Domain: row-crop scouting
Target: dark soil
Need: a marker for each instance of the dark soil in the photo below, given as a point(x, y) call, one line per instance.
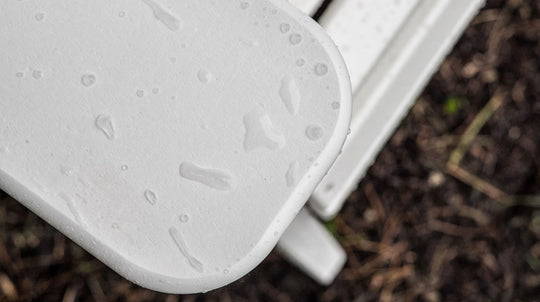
point(421, 226)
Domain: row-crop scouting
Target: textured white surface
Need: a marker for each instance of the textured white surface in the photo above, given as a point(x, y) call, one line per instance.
point(384, 94)
point(362, 29)
point(175, 140)
point(309, 245)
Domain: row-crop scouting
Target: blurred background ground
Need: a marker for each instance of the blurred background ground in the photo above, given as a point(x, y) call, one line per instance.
point(450, 211)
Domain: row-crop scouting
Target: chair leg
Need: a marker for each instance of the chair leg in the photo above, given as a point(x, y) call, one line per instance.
point(307, 244)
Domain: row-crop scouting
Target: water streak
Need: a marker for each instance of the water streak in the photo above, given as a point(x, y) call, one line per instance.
point(260, 132)
point(212, 178)
point(168, 19)
point(182, 246)
point(290, 94)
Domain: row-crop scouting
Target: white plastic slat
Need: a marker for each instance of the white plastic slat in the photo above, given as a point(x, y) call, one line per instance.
point(308, 245)
point(307, 6)
point(389, 89)
point(362, 30)
point(147, 133)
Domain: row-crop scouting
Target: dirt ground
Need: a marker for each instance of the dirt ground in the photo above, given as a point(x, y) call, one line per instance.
point(450, 211)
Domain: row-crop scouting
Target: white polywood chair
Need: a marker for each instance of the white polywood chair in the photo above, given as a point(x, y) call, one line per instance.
point(177, 140)
point(391, 49)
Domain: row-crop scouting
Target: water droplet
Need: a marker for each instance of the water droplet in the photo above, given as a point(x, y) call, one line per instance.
point(292, 173)
point(284, 27)
point(300, 62)
point(104, 123)
point(155, 90)
point(321, 69)
point(19, 75)
point(150, 196)
point(226, 271)
point(140, 93)
point(212, 178)
point(37, 74)
point(244, 5)
point(336, 105)
point(184, 218)
point(205, 76)
point(169, 20)
point(314, 132)
point(173, 59)
point(88, 80)
point(122, 14)
point(295, 39)
point(290, 94)
point(40, 16)
point(67, 171)
point(115, 226)
point(182, 246)
point(124, 167)
point(260, 132)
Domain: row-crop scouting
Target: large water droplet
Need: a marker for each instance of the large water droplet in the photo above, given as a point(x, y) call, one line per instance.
point(88, 80)
point(314, 132)
point(168, 19)
point(205, 76)
point(184, 218)
point(300, 62)
point(295, 39)
point(150, 196)
point(40, 16)
point(290, 94)
point(140, 93)
point(292, 173)
point(182, 246)
point(285, 27)
point(212, 178)
point(261, 133)
point(37, 74)
point(104, 123)
point(321, 69)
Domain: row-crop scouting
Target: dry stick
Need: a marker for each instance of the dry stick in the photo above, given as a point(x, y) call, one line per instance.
point(375, 200)
point(7, 288)
point(478, 184)
point(474, 128)
point(453, 165)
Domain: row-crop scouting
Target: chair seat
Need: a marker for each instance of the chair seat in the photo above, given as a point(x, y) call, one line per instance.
point(174, 140)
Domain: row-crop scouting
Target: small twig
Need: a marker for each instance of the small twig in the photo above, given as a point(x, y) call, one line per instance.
point(474, 128)
point(8, 288)
point(375, 200)
point(451, 229)
point(477, 183)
